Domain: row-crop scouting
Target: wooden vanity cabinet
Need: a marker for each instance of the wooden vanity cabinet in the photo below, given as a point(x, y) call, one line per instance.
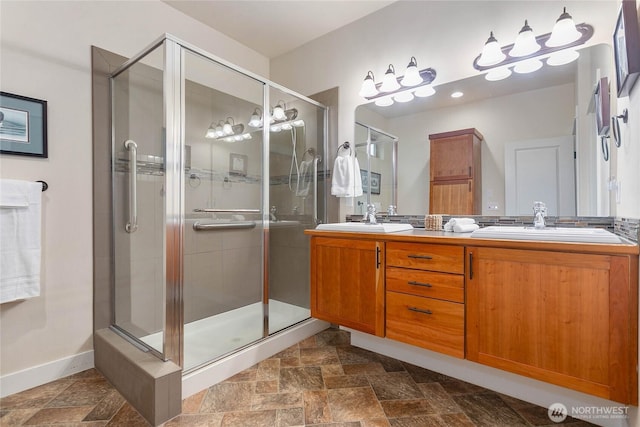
point(425, 296)
point(565, 318)
point(455, 173)
point(347, 282)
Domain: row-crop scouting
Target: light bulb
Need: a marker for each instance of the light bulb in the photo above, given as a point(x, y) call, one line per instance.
point(562, 57)
point(278, 112)
point(403, 97)
point(424, 91)
point(498, 74)
point(457, 94)
point(298, 123)
point(564, 31)
point(286, 126)
point(237, 138)
point(384, 101)
point(246, 136)
point(368, 88)
point(411, 75)
point(526, 43)
point(491, 53)
point(227, 129)
point(389, 81)
point(219, 131)
point(528, 66)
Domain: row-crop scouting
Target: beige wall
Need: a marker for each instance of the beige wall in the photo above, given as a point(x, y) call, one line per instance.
point(45, 54)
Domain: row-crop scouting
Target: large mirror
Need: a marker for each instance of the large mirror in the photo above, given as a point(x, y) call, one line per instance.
point(550, 104)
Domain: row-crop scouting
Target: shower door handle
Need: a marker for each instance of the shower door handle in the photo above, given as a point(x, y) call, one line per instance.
point(132, 147)
point(315, 190)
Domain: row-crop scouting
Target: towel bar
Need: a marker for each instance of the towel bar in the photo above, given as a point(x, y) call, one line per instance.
point(197, 226)
point(45, 186)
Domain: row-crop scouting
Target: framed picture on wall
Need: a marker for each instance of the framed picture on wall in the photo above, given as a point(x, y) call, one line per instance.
point(23, 125)
point(626, 46)
point(375, 182)
point(602, 108)
point(238, 164)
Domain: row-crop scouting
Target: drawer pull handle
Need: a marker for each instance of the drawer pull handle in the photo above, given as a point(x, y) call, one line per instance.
point(420, 256)
point(419, 310)
point(426, 285)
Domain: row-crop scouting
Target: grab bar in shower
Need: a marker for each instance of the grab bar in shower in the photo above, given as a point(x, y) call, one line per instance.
point(132, 147)
point(197, 226)
point(228, 210)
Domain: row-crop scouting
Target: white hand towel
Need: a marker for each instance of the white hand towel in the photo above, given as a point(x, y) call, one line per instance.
point(345, 178)
point(304, 180)
point(20, 203)
point(450, 225)
point(465, 228)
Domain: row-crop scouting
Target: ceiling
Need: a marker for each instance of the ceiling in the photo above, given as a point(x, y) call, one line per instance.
point(273, 28)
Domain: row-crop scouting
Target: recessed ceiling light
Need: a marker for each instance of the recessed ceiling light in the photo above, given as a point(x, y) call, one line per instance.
point(457, 94)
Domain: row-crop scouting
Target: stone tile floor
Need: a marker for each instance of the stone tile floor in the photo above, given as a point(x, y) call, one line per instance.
point(321, 381)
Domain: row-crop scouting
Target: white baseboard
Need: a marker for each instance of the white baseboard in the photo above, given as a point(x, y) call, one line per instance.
point(45, 373)
point(523, 388)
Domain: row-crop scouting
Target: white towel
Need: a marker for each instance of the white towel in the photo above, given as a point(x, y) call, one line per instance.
point(346, 180)
point(304, 179)
point(457, 224)
point(20, 203)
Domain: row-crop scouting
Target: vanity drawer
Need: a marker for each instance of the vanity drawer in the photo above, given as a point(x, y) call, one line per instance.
point(426, 322)
point(445, 258)
point(426, 284)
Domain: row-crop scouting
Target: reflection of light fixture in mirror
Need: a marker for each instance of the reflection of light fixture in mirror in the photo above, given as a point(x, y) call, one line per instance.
point(403, 96)
point(424, 91)
point(528, 47)
point(528, 66)
point(224, 129)
point(498, 74)
point(491, 52)
point(278, 111)
point(256, 118)
point(389, 81)
point(411, 75)
point(457, 94)
point(384, 101)
point(298, 123)
point(368, 88)
point(564, 31)
point(526, 43)
point(562, 57)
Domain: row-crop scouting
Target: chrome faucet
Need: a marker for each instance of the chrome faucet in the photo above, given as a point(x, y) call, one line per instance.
point(539, 214)
point(370, 216)
point(272, 213)
point(391, 210)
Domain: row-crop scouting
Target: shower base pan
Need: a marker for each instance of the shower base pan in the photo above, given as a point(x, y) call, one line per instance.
point(212, 337)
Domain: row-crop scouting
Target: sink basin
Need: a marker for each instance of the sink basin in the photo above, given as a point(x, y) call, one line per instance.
point(361, 227)
point(584, 235)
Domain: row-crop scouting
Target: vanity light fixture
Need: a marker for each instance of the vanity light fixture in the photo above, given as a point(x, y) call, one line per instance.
point(414, 83)
point(224, 129)
point(528, 51)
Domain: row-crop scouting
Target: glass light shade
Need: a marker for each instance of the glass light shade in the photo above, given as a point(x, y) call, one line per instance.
point(491, 53)
point(384, 101)
point(389, 81)
point(256, 119)
point(562, 57)
point(227, 129)
point(526, 43)
point(368, 88)
point(528, 66)
point(211, 132)
point(424, 91)
point(498, 74)
point(564, 31)
point(298, 123)
point(278, 113)
point(237, 138)
point(403, 97)
point(219, 131)
point(411, 75)
point(246, 136)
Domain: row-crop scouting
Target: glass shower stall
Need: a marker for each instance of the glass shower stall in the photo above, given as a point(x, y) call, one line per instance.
point(216, 173)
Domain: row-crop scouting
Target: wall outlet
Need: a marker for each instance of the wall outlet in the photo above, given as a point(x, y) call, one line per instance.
point(492, 206)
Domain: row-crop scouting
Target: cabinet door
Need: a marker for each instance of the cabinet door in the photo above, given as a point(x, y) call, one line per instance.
point(451, 197)
point(563, 318)
point(452, 158)
point(347, 283)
